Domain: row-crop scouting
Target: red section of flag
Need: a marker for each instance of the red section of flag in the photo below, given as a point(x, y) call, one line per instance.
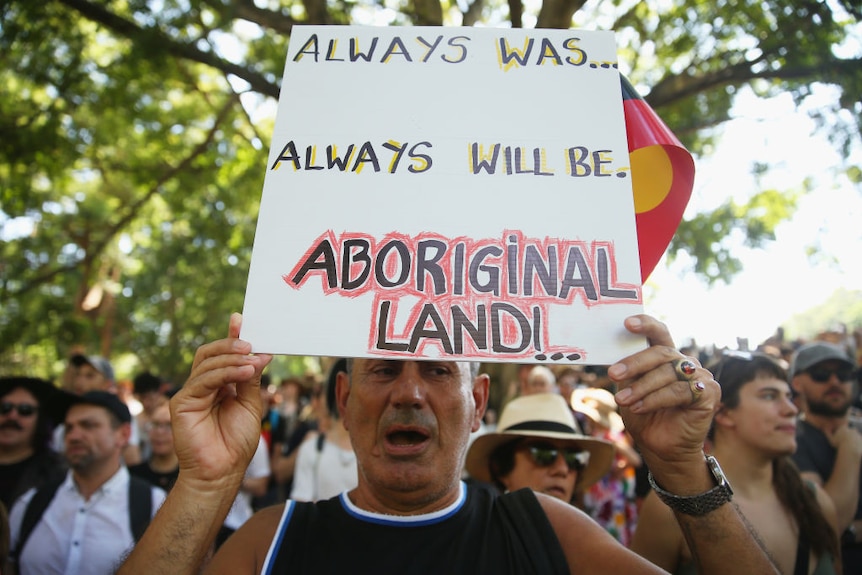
point(657, 225)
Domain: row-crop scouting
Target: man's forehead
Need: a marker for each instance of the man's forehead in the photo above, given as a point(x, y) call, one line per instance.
point(21, 393)
point(82, 411)
point(462, 366)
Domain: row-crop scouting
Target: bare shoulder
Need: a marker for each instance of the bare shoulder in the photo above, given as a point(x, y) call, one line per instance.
point(587, 546)
point(245, 551)
point(658, 536)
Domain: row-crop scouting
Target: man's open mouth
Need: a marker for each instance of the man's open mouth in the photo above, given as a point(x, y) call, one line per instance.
point(405, 437)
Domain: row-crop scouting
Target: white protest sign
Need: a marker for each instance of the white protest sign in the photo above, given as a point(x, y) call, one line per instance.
point(459, 193)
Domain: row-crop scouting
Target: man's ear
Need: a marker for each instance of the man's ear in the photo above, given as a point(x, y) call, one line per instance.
point(342, 392)
point(722, 417)
point(125, 431)
point(481, 387)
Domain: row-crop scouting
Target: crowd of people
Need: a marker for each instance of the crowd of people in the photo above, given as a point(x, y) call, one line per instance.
point(403, 466)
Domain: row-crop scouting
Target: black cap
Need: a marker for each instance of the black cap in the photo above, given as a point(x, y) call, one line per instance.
point(108, 400)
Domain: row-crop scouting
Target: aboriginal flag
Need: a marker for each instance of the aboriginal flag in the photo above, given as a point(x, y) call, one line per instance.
point(662, 177)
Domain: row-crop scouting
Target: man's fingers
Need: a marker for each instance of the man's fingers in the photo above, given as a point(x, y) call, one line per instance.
point(234, 325)
point(655, 331)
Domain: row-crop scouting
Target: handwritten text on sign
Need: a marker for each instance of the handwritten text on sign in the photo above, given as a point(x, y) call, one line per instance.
point(497, 225)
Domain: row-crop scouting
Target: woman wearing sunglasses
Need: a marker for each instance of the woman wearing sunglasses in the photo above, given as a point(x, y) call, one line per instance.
point(754, 434)
point(538, 445)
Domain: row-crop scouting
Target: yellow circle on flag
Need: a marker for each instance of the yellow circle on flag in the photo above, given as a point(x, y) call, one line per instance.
point(652, 176)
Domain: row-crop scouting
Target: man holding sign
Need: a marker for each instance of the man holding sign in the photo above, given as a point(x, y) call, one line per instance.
point(409, 422)
point(416, 297)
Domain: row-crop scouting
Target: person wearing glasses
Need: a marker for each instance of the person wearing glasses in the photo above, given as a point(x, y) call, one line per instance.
point(30, 408)
point(830, 443)
point(754, 434)
point(538, 445)
point(162, 467)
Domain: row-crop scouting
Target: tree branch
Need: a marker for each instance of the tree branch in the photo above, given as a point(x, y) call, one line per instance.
point(111, 231)
point(672, 89)
point(558, 13)
point(161, 41)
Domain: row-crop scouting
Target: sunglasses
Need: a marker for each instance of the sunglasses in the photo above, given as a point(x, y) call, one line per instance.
point(824, 374)
point(545, 456)
point(23, 409)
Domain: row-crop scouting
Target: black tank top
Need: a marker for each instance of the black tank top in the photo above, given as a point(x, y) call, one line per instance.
point(482, 533)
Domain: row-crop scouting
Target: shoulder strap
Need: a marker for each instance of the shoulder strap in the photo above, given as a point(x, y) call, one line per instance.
point(802, 551)
point(140, 506)
point(321, 438)
point(33, 513)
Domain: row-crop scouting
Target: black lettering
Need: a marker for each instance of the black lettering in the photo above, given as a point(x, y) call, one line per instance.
point(431, 47)
point(477, 332)
point(355, 54)
point(577, 275)
point(604, 278)
point(366, 154)
point(477, 265)
point(332, 159)
point(324, 250)
point(429, 312)
point(424, 265)
point(382, 320)
point(288, 154)
point(380, 264)
point(533, 262)
point(310, 48)
point(497, 345)
point(349, 257)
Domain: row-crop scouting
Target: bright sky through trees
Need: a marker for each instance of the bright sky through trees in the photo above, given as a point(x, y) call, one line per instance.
point(780, 280)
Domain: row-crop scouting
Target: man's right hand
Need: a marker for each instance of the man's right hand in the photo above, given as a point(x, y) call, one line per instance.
point(847, 436)
point(216, 415)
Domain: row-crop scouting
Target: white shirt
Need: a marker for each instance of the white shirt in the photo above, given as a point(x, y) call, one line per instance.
point(323, 474)
point(241, 510)
point(75, 536)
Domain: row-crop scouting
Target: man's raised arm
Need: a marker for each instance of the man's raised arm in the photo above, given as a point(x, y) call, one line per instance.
point(216, 424)
point(667, 401)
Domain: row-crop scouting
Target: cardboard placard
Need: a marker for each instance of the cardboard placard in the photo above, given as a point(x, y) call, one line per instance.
point(459, 193)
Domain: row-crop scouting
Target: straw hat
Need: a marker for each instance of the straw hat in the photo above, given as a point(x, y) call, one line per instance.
point(598, 404)
point(544, 415)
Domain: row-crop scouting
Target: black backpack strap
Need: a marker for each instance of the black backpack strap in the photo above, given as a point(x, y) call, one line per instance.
point(140, 506)
point(33, 513)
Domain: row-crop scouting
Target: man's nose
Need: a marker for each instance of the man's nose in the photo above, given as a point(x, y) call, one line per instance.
point(408, 389)
point(559, 466)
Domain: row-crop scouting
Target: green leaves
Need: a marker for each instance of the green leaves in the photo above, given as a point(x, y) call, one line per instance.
point(134, 135)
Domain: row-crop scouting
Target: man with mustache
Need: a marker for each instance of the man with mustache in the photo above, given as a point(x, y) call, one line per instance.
point(410, 422)
point(29, 410)
point(830, 443)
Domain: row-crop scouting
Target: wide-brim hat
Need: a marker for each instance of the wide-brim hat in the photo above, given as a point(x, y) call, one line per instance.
point(598, 404)
point(52, 400)
point(543, 415)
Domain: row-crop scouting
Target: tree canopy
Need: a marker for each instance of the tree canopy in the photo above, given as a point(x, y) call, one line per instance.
point(133, 138)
